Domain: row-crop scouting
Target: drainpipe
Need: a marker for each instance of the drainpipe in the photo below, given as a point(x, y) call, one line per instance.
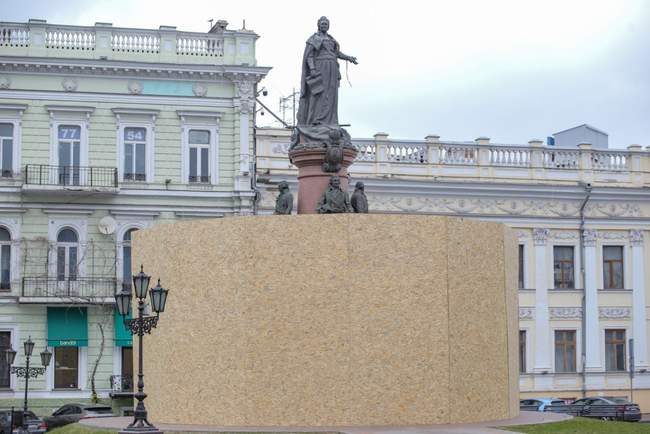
point(587, 187)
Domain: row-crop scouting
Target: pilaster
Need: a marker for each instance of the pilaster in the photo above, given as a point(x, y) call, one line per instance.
point(244, 104)
point(639, 330)
point(593, 362)
point(542, 326)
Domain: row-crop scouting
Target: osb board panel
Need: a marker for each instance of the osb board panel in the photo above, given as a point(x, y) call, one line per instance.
point(329, 320)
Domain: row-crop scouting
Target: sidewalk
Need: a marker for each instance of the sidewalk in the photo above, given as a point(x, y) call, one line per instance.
point(526, 417)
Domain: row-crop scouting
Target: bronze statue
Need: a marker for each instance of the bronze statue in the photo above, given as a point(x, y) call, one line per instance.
point(319, 89)
point(359, 201)
point(284, 202)
point(334, 199)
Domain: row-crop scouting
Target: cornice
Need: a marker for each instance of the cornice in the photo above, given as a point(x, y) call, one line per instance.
point(92, 67)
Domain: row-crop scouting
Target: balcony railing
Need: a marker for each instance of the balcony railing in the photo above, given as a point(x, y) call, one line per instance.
point(121, 383)
point(103, 41)
point(81, 287)
point(71, 176)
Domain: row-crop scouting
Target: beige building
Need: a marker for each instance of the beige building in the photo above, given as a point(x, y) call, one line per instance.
point(581, 216)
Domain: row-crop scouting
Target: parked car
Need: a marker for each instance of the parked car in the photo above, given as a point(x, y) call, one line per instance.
point(71, 413)
point(35, 425)
point(601, 407)
point(538, 404)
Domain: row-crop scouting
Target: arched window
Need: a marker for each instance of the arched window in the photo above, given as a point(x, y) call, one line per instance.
point(126, 260)
point(5, 259)
point(67, 248)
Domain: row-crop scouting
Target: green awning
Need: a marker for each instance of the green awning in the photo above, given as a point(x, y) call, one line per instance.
point(67, 327)
point(123, 337)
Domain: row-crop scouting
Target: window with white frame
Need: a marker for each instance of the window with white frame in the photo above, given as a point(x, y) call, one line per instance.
point(135, 154)
point(6, 149)
point(126, 260)
point(5, 259)
point(199, 155)
point(67, 249)
point(200, 146)
point(69, 153)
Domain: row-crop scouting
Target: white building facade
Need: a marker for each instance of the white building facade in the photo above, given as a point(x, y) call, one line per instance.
point(582, 217)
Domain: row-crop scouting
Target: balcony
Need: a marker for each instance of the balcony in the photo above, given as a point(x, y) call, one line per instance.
point(41, 177)
point(82, 290)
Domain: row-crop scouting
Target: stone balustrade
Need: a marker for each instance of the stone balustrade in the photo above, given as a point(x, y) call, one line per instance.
point(37, 38)
point(432, 157)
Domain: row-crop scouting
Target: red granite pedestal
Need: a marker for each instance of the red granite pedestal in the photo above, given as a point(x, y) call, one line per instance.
point(312, 180)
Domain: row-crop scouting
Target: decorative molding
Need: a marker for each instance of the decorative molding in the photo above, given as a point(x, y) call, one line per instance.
point(636, 237)
point(612, 236)
point(614, 313)
point(199, 89)
point(184, 114)
point(5, 82)
point(245, 90)
point(511, 207)
point(589, 237)
point(526, 313)
point(565, 313)
point(281, 148)
point(69, 84)
point(135, 87)
point(540, 236)
point(565, 235)
point(91, 67)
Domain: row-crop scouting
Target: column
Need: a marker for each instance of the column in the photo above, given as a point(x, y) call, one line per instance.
point(542, 326)
point(638, 301)
point(592, 330)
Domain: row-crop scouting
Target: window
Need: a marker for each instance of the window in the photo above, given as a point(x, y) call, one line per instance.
point(5, 260)
point(66, 255)
point(565, 351)
point(522, 351)
point(135, 154)
point(5, 344)
point(127, 368)
point(69, 148)
point(66, 367)
point(613, 267)
point(563, 267)
point(126, 260)
point(6, 150)
point(199, 147)
point(522, 283)
point(615, 350)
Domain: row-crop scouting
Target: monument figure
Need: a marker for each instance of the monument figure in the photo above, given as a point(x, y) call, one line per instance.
point(317, 120)
point(284, 202)
point(334, 199)
point(359, 201)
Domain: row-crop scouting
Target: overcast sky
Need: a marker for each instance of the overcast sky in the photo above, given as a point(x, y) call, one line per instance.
point(511, 70)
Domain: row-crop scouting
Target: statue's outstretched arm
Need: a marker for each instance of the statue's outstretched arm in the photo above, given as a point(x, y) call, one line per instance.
point(343, 56)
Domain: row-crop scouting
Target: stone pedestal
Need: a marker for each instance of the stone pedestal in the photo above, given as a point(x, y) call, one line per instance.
point(312, 180)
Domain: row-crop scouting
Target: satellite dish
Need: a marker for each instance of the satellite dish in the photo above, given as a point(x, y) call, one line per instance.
point(107, 225)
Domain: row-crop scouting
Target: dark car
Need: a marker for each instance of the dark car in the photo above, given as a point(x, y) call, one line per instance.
point(601, 407)
point(71, 413)
point(35, 425)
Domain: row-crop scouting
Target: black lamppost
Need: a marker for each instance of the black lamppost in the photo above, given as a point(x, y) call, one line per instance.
point(27, 371)
point(139, 326)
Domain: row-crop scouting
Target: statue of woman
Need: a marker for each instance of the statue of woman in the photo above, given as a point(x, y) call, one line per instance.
point(319, 84)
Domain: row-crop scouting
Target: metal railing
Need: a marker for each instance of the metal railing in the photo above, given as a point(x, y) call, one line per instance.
point(80, 287)
point(121, 383)
point(71, 176)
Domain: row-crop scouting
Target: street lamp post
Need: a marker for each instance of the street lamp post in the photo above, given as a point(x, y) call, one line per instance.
point(139, 326)
point(27, 371)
